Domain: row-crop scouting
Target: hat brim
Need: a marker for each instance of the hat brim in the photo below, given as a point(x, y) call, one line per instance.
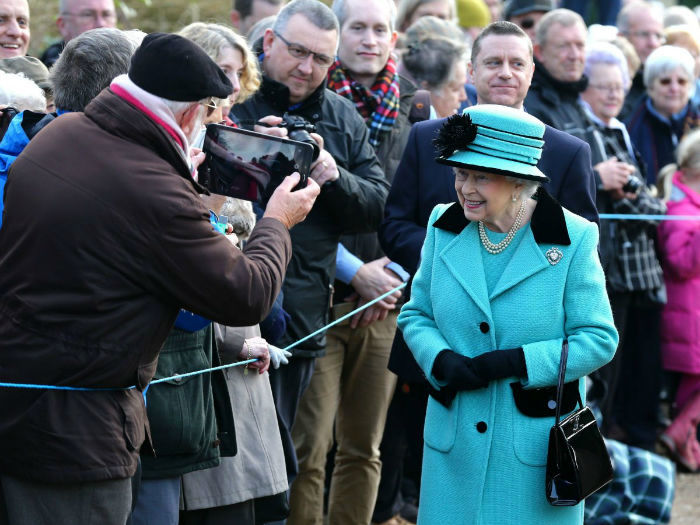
point(478, 161)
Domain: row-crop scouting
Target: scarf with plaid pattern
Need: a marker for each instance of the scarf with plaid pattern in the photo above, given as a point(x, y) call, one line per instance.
point(379, 106)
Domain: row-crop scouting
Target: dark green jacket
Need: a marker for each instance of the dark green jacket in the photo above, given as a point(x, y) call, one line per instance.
point(191, 418)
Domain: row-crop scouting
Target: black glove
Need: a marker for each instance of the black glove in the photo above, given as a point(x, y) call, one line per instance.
point(457, 371)
point(499, 364)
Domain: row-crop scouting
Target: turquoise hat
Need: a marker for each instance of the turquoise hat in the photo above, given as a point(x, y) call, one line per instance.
point(493, 138)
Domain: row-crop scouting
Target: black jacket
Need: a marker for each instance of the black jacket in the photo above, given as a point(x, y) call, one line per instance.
point(556, 103)
point(634, 97)
point(354, 203)
point(51, 53)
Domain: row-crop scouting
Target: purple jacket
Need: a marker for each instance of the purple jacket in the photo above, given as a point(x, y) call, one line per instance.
point(680, 247)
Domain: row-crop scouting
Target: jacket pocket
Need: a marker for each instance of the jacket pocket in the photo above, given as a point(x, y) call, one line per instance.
point(441, 425)
point(133, 424)
point(178, 409)
point(531, 434)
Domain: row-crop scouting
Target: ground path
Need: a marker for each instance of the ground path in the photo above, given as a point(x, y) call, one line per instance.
point(686, 506)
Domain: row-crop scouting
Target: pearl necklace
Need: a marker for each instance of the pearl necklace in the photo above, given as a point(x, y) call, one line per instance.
point(493, 248)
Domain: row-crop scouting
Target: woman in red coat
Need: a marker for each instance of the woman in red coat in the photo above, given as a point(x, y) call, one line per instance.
point(680, 246)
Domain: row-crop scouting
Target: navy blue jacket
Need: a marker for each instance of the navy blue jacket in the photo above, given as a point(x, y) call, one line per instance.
point(420, 183)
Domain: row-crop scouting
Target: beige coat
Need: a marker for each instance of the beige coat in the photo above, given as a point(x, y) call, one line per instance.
point(258, 468)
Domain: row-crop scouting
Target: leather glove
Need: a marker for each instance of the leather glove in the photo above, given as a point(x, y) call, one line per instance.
point(457, 371)
point(278, 356)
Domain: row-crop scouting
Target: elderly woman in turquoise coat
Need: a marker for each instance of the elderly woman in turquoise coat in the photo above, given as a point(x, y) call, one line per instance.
point(506, 276)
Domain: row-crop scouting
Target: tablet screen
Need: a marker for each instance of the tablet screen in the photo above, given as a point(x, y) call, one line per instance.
point(249, 165)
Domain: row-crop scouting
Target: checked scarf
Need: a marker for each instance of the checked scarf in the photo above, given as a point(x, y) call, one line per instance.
point(379, 106)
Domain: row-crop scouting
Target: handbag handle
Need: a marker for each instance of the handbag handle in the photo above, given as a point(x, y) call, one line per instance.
point(560, 382)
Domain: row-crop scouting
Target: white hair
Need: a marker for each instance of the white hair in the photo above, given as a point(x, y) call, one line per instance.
point(21, 93)
point(176, 106)
point(529, 186)
point(665, 59)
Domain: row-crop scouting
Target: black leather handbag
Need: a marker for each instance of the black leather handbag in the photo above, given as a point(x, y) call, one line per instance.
point(578, 463)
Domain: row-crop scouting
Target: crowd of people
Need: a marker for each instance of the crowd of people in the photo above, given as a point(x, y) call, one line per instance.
point(492, 181)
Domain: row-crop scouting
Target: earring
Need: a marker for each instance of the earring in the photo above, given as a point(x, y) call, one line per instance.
point(514, 198)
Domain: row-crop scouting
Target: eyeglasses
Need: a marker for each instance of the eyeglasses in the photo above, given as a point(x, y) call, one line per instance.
point(647, 35)
point(612, 88)
point(211, 104)
point(527, 23)
point(300, 52)
point(90, 15)
point(667, 81)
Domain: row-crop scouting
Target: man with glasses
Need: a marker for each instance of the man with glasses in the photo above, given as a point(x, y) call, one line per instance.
point(366, 74)
point(295, 55)
point(75, 17)
point(527, 13)
point(641, 24)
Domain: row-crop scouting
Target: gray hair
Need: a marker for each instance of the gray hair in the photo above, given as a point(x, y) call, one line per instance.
point(678, 15)
point(432, 61)
point(562, 17)
point(21, 93)
point(606, 53)
point(314, 11)
point(88, 64)
point(64, 6)
point(339, 9)
point(258, 30)
point(666, 59)
point(406, 8)
point(623, 17)
point(529, 186)
point(178, 107)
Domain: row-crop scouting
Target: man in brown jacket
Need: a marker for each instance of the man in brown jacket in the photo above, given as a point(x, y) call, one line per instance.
point(104, 238)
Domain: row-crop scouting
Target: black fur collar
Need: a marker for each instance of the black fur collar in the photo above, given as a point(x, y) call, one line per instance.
point(547, 223)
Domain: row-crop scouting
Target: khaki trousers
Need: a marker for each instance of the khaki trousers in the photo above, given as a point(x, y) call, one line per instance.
point(352, 387)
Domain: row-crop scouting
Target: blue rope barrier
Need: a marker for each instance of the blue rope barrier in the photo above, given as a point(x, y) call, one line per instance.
point(206, 370)
point(639, 217)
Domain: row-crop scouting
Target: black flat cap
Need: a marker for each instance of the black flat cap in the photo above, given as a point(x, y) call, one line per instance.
point(520, 7)
point(173, 67)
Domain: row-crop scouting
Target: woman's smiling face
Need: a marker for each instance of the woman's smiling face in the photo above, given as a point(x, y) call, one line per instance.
point(484, 196)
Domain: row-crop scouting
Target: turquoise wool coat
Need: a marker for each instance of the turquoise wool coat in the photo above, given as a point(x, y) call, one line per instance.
point(484, 461)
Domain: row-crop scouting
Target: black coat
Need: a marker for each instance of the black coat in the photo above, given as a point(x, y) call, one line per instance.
point(557, 103)
point(354, 203)
point(420, 183)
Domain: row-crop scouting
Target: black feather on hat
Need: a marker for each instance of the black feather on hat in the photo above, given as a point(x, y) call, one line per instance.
point(456, 133)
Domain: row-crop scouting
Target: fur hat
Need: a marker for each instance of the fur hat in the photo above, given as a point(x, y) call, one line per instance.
point(175, 68)
point(493, 138)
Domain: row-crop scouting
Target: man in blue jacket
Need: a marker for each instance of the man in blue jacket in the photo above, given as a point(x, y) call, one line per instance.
point(501, 68)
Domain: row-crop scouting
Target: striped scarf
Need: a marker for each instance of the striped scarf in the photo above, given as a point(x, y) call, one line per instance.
point(379, 106)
